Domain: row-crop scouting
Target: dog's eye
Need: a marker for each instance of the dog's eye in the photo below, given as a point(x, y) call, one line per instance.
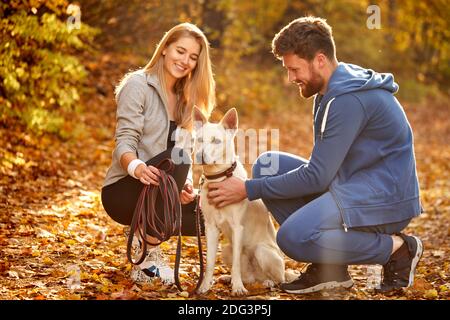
point(215, 140)
point(199, 139)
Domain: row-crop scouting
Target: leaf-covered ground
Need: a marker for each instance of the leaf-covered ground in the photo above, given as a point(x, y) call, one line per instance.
point(52, 222)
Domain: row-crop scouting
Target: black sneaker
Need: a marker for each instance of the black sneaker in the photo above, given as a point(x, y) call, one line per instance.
point(399, 271)
point(318, 277)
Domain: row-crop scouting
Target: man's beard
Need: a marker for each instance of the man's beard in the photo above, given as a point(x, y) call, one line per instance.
point(313, 86)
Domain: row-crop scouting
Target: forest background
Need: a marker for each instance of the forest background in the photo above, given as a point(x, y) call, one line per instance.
point(59, 64)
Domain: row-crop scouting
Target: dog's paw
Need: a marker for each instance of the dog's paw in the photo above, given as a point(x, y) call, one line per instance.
point(268, 283)
point(204, 287)
point(291, 275)
point(239, 290)
point(226, 278)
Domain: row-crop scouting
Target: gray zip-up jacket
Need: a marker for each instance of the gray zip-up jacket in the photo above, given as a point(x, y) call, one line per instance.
point(142, 124)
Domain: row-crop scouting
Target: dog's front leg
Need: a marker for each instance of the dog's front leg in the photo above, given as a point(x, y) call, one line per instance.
point(212, 242)
point(237, 287)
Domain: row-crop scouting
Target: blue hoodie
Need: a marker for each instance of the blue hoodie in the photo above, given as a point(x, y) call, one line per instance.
point(363, 152)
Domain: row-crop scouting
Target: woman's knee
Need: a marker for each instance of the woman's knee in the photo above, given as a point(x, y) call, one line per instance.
point(118, 207)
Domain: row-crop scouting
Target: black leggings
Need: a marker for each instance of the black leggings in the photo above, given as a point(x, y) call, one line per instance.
point(119, 199)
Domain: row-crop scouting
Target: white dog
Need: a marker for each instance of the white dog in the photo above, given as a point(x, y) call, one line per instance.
point(252, 253)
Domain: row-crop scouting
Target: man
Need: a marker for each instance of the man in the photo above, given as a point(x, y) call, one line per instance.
point(349, 203)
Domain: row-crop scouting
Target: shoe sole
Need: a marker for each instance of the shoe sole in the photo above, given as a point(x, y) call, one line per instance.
point(415, 260)
point(141, 277)
point(151, 281)
point(323, 286)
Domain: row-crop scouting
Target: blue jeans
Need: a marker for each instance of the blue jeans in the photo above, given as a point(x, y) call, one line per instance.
point(311, 227)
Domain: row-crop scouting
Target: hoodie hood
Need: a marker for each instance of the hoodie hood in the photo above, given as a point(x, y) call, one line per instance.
point(350, 78)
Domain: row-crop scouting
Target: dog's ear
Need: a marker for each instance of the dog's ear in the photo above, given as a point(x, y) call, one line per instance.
point(199, 118)
point(230, 119)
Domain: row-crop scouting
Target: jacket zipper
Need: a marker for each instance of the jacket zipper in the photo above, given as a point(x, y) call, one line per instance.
point(322, 129)
point(325, 118)
point(340, 210)
point(315, 121)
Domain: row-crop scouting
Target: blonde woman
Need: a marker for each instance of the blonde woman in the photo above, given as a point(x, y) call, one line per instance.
point(154, 105)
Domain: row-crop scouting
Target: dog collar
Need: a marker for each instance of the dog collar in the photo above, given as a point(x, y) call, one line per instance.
point(227, 173)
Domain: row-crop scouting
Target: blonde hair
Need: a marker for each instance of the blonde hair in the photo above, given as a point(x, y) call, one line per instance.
point(197, 88)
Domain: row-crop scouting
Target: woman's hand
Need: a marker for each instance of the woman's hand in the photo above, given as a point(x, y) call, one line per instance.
point(147, 174)
point(187, 195)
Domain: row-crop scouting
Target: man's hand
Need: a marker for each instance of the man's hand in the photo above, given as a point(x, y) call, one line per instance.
point(228, 191)
point(187, 195)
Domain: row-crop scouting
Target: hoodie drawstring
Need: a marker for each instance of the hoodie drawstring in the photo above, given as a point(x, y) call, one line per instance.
point(324, 119)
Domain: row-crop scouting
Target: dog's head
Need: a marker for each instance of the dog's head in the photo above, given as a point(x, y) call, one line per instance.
point(214, 142)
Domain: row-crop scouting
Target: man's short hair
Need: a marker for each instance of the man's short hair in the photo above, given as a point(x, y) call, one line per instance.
point(305, 37)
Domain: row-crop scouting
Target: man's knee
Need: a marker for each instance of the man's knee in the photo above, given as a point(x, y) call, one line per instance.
point(295, 245)
point(267, 164)
point(291, 238)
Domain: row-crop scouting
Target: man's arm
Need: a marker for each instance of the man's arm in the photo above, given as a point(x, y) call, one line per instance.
point(346, 118)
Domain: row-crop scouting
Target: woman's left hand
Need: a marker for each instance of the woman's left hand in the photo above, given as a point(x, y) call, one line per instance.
point(187, 195)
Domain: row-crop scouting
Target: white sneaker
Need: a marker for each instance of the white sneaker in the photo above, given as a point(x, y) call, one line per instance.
point(153, 266)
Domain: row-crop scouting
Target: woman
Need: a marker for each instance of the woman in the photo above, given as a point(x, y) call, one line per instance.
point(154, 105)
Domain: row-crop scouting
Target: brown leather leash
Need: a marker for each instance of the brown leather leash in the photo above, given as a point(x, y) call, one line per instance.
point(198, 217)
point(145, 216)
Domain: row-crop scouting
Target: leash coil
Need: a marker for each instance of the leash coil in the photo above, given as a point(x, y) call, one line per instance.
point(146, 220)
